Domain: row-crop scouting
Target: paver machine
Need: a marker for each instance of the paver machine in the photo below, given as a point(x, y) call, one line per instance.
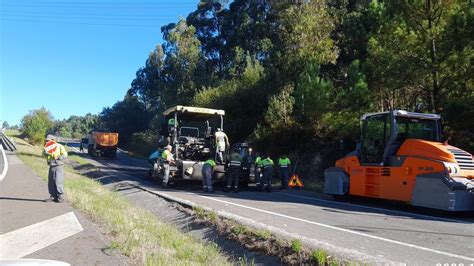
point(190, 130)
point(401, 157)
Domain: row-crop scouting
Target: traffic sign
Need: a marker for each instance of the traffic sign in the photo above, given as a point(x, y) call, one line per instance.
point(295, 181)
point(50, 147)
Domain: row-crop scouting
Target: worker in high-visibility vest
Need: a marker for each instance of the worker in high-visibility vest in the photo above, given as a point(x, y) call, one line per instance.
point(258, 170)
point(284, 163)
point(222, 142)
point(56, 172)
point(207, 170)
point(166, 160)
point(234, 161)
point(267, 165)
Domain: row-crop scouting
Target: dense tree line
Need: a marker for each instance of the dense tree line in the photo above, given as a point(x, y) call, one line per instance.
point(75, 126)
point(295, 76)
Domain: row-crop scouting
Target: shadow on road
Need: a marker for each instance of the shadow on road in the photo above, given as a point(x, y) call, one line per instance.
point(21, 199)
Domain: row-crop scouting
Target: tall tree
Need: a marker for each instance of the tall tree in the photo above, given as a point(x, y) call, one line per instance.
point(412, 57)
point(182, 56)
point(207, 20)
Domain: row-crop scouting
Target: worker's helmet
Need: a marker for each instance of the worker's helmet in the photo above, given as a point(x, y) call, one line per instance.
point(219, 129)
point(50, 137)
point(169, 147)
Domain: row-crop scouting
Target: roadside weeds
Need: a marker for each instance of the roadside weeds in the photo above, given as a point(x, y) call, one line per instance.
point(290, 252)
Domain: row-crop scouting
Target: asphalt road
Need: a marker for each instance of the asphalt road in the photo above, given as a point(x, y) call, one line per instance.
point(366, 231)
point(22, 211)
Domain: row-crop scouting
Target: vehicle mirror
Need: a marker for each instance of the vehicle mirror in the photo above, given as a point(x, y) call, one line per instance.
point(208, 132)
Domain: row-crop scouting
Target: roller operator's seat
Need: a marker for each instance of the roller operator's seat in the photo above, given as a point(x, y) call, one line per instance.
point(393, 147)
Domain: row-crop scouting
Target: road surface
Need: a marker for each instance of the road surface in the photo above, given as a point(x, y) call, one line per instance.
point(364, 231)
point(31, 228)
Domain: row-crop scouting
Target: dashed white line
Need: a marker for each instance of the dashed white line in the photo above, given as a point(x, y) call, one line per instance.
point(345, 230)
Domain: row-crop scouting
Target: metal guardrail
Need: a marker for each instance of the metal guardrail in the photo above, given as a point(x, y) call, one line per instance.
point(7, 143)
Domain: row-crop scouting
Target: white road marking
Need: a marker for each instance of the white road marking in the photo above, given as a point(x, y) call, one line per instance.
point(120, 150)
point(24, 241)
point(5, 164)
point(74, 148)
point(345, 230)
point(33, 262)
point(375, 208)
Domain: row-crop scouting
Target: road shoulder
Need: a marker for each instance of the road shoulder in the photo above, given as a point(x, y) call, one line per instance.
point(21, 206)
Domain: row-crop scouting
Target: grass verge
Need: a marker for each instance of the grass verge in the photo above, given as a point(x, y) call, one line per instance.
point(292, 252)
point(135, 232)
point(78, 159)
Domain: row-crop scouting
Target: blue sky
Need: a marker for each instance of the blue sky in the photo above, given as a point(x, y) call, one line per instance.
point(76, 57)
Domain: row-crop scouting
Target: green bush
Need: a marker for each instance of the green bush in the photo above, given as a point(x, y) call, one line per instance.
point(319, 256)
point(296, 245)
point(35, 125)
point(143, 143)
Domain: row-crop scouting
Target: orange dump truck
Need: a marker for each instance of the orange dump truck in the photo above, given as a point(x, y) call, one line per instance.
point(102, 143)
point(401, 157)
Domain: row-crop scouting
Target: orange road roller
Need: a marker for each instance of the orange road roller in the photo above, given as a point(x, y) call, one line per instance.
point(401, 157)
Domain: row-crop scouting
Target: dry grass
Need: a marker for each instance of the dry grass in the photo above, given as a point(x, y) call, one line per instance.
point(136, 232)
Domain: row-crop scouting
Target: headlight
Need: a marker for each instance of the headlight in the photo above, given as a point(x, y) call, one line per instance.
point(451, 168)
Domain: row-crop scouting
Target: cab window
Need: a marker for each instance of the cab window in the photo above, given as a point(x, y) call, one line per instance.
point(375, 133)
point(416, 128)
